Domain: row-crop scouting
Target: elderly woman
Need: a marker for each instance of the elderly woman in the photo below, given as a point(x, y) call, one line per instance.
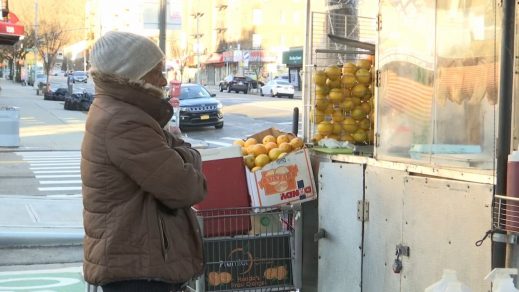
point(139, 182)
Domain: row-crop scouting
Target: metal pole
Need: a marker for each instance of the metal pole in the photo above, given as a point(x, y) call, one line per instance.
point(162, 25)
point(197, 48)
point(505, 114)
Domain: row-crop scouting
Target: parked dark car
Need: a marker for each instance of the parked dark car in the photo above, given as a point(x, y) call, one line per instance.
point(79, 101)
point(235, 84)
point(254, 84)
point(198, 107)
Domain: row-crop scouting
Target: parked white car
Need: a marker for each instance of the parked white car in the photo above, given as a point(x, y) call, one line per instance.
point(278, 88)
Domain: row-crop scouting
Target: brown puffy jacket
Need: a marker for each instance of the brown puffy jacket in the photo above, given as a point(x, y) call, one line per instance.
point(137, 190)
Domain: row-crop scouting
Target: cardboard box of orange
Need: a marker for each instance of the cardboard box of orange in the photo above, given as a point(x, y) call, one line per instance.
point(287, 180)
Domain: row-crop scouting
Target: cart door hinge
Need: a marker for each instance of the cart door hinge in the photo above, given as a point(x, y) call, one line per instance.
point(379, 22)
point(362, 210)
point(377, 78)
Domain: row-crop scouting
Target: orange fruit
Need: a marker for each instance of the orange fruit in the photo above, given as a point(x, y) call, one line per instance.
point(238, 142)
point(285, 147)
point(270, 145)
point(317, 137)
point(249, 161)
point(349, 125)
point(365, 124)
point(337, 116)
point(274, 153)
point(244, 151)
point(250, 141)
point(333, 72)
point(347, 137)
point(250, 149)
point(363, 76)
point(336, 95)
point(366, 107)
point(364, 64)
point(319, 77)
point(268, 138)
point(348, 68)
point(337, 128)
point(324, 128)
point(255, 168)
point(261, 160)
point(336, 83)
point(258, 149)
point(282, 138)
point(358, 113)
point(348, 80)
point(321, 104)
point(290, 136)
point(296, 143)
point(359, 90)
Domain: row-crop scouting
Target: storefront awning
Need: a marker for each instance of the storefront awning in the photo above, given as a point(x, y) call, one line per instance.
point(10, 31)
point(214, 58)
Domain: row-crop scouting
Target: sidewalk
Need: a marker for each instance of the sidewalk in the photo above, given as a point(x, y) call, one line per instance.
point(36, 221)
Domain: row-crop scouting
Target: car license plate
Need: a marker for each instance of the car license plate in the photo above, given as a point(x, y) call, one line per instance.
point(204, 117)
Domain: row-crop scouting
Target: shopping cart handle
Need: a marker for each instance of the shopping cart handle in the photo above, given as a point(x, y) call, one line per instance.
point(321, 233)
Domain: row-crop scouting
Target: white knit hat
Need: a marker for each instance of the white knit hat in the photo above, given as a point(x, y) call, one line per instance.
point(125, 54)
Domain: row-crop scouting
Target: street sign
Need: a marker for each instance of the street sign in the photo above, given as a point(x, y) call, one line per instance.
point(246, 58)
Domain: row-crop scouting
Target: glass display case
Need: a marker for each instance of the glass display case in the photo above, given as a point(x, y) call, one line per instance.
point(339, 100)
point(437, 87)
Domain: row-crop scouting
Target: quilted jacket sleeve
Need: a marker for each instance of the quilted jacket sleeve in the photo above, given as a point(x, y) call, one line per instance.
point(141, 151)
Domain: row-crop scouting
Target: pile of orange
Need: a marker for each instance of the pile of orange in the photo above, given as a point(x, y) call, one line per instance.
point(257, 154)
point(343, 103)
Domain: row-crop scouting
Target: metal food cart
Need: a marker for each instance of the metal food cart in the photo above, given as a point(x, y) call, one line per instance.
point(422, 200)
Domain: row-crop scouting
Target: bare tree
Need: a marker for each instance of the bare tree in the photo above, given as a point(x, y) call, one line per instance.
point(181, 55)
point(15, 53)
point(51, 39)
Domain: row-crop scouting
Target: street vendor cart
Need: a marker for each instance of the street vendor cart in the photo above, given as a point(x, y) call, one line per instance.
point(415, 183)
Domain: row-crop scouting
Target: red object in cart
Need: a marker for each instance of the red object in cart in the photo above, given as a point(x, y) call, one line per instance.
point(224, 171)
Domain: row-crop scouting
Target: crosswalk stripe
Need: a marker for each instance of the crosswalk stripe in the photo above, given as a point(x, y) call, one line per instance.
point(218, 143)
point(52, 167)
point(57, 176)
point(59, 189)
point(55, 164)
point(46, 160)
point(53, 182)
point(56, 171)
point(231, 138)
point(47, 156)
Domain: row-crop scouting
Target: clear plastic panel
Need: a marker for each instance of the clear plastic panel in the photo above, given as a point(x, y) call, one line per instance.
point(438, 86)
point(406, 64)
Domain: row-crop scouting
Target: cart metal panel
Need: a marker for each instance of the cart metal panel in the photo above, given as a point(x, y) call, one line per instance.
point(442, 221)
point(340, 251)
point(261, 259)
point(383, 229)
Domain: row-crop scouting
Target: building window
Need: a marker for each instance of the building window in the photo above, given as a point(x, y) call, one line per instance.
point(257, 16)
point(256, 40)
point(296, 18)
point(283, 19)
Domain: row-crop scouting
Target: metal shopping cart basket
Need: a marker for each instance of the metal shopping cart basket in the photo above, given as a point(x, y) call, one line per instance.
point(247, 249)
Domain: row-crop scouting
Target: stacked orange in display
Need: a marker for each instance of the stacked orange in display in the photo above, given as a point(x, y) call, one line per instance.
point(343, 103)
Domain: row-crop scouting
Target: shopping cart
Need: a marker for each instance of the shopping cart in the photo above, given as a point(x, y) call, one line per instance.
point(247, 249)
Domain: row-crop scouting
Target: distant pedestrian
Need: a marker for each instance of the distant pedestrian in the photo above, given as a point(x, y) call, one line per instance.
point(70, 85)
point(139, 182)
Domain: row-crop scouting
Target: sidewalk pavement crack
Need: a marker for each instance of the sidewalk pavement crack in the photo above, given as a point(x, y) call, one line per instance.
point(32, 213)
